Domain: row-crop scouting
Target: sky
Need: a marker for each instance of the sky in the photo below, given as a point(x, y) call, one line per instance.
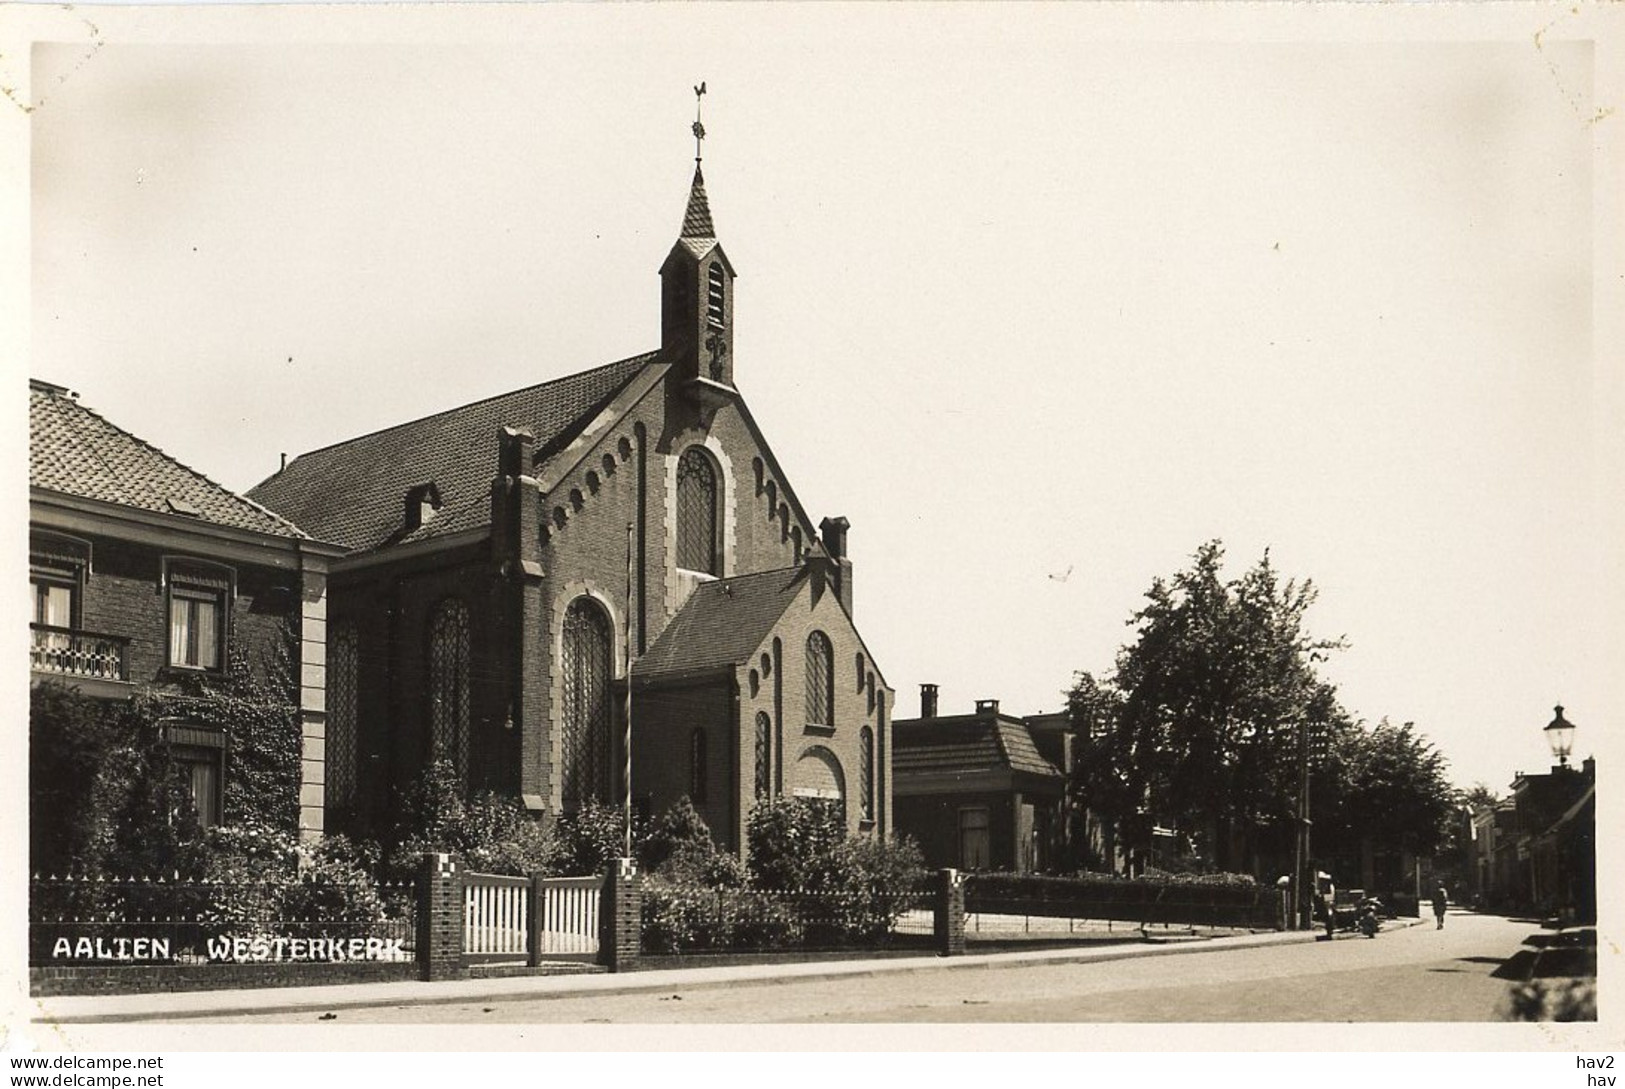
point(1039, 298)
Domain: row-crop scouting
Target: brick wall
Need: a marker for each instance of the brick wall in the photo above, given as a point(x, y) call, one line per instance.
point(440, 919)
point(933, 822)
point(124, 596)
point(664, 722)
point(620, 916)
point(148, 979)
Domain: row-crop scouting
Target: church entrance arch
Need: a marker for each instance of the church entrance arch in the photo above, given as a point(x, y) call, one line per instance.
point(818, 776)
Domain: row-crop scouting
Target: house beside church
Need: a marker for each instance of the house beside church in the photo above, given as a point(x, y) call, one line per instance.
point(521, 571)
point(147, 576)
point(984, 790)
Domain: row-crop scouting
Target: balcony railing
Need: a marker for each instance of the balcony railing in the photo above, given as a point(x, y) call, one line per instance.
point(78, 653)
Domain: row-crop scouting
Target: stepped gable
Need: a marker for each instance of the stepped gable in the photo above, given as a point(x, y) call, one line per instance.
point(75, 451)
point(352, 492)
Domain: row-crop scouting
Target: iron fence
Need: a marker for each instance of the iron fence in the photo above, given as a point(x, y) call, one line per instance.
point(169, 920)
point(1143, 902)
point(691, 919)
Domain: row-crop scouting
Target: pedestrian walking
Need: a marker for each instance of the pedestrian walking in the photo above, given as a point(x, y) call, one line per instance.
point(1441, 900)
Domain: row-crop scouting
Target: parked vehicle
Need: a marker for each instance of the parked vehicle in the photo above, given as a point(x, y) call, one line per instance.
point(1369, 919)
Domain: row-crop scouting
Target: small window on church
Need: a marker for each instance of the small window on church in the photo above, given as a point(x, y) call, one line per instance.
point(715, 295)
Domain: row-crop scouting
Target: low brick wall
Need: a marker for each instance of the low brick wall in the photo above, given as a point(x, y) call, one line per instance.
point(149, 978)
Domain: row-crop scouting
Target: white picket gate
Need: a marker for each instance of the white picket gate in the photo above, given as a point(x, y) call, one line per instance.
point(567, 920)
point(503, 916)
point(496, 917)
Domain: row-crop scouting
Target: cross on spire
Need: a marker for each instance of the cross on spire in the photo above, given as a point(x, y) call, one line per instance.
point(699, 129)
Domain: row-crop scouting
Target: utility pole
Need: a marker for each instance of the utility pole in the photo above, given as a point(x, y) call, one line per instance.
point(1303, 867)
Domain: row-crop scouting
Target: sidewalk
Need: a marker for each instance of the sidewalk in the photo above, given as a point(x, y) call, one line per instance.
point(203, 1005)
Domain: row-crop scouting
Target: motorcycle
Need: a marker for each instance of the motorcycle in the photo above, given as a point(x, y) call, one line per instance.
point(1369, 920)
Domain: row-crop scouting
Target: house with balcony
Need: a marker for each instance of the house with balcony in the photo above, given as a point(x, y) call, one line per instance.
point(146, 576)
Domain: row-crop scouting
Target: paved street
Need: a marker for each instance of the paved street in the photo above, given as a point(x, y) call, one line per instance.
point(1415, 974)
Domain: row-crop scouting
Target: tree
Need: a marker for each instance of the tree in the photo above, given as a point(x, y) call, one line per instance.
point(1393, 794)
point(1198, 722)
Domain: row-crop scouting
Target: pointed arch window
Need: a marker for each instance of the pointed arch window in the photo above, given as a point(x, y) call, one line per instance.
point(342, 663)
point(866, 774)
point(587, 671)
point(764, 755)
point(820, 680)
point(697, 512)
point(448, 685)
point(697, 778)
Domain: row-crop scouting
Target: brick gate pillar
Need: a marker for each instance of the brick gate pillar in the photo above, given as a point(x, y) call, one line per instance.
point(440, 919)
point(948, 926)
point(620, 916)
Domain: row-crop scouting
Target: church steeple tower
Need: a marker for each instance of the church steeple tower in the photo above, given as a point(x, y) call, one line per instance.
point(697, 293)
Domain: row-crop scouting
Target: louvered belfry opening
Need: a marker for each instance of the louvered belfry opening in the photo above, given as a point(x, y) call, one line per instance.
point(696, 512)
point(448, 686)
point(587, 672)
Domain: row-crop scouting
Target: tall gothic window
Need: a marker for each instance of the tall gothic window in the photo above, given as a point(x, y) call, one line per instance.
point(866, 774)
point(820, 680)
point(697, 778)
point(764, 755)
point(587, 670)
point(697, 512)
point(341, 716)
point(448, 685)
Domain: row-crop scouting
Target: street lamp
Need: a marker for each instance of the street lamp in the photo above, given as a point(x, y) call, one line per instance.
point(1560, 736)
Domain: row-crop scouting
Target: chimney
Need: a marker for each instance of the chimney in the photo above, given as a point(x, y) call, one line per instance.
point(928, 701)
point(832, 531)
point(987, 707)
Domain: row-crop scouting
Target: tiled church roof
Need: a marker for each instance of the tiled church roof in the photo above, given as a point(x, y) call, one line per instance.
point(697, 216)
point(722, 623)
point(965, 744)
point(353, 493)
point(77, 452)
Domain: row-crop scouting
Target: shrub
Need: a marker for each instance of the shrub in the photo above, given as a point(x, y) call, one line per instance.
point(679, 846)
point(792, 842)
point(592, 836)
point(680, 917)
point(489, 832)
point(1563, 999)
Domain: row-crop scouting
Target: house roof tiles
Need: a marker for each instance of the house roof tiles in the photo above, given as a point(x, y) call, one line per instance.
point(76, 451)
point(353, 493)
point(965, 744)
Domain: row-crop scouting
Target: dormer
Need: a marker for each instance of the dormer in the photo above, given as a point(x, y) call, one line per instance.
point(697, 304)
point(422, 504)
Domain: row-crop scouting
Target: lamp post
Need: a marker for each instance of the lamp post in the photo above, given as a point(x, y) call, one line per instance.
point(1560, 736)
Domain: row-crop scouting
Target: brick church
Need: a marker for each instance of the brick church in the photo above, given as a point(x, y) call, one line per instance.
point(514, 565)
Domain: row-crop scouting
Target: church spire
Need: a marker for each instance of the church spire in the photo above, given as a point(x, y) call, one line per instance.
point(697, 216)
point(697, 291)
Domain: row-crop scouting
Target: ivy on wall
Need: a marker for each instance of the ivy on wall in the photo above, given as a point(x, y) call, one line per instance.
point(105, 795)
